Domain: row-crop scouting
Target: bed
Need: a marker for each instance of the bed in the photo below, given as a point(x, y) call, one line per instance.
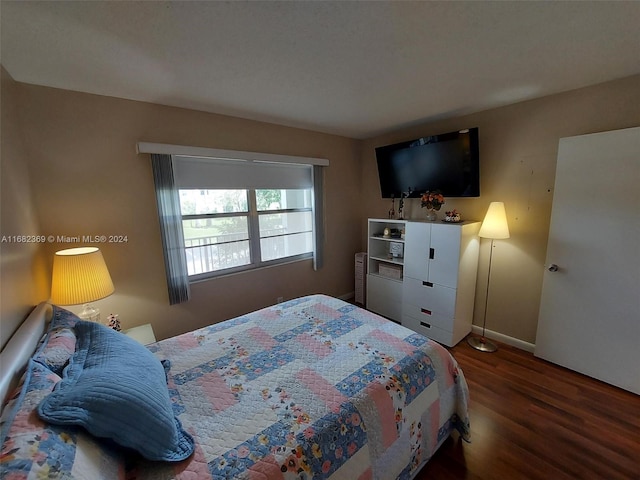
point(310, 388)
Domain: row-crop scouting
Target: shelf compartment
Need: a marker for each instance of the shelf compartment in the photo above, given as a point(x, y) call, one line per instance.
point(394, 260)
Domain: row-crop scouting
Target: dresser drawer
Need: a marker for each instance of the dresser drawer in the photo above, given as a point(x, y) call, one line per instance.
point(419, 314)
point(384, 287)
point(385, 307)
point(428, 330)
point(384, 296)
point(433, 297)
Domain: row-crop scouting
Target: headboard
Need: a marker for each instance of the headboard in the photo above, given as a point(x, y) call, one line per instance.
point(20, 347)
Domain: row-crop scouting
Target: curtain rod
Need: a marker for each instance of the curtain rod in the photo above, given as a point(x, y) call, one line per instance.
point(187, 151)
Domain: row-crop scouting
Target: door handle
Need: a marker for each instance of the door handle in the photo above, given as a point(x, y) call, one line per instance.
point(552, 267)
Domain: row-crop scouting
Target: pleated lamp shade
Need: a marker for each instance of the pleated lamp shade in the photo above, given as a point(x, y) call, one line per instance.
point(79, 276)
point(495, 223)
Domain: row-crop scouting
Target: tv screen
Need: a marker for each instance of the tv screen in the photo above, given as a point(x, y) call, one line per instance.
point(449, 163)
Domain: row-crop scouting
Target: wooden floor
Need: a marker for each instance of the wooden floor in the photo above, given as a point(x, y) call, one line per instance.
point(531, 419)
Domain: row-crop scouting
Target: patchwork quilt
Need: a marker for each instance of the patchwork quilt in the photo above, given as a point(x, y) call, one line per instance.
point(310, 388)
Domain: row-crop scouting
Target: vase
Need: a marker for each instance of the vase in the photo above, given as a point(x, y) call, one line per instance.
point(432, 216)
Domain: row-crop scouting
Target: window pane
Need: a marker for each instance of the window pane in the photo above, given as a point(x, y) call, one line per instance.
point(285, 234)
point(274, 224)
point(206, 231)
point(210, 258)
point(200, 202)
point(286, 246)
point(283, 199)
point(216, 243)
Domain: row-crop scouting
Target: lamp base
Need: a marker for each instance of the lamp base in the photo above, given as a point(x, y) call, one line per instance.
point(89, 313)
point(482, 344)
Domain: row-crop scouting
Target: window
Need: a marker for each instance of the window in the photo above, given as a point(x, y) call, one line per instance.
point(218, 224)
point(285, 219)
point(223, 211)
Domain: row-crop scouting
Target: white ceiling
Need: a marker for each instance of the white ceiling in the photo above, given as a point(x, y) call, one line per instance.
point(356, 69)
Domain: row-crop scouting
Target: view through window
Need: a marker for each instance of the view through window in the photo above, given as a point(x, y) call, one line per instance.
point(238, 229)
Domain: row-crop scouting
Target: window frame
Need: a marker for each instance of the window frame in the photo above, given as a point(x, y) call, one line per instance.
point(163, 165)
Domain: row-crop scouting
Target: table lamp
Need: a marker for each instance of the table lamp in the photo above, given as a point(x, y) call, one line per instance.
point(80, 276)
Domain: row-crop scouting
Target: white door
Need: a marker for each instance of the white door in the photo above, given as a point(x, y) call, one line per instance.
point(590, 309)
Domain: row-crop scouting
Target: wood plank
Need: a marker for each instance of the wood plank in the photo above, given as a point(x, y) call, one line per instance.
point(531, 419)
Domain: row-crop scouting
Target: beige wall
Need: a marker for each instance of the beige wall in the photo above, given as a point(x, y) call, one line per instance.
point(21, 266)
point(79, 152)
point(88, 180)
point(518, 148)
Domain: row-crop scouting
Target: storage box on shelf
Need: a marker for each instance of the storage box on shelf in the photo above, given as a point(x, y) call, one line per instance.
point(390, 271)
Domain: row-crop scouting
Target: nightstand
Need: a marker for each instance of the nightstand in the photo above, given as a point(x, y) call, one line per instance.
point(143, 334)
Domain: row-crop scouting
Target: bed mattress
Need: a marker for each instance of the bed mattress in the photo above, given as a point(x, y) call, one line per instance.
point(310, 388)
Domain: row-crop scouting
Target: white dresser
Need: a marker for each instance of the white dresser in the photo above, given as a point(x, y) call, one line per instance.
point(436, 289)
point(441, 264)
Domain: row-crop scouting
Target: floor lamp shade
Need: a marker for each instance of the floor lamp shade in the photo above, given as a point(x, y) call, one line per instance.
point(495, 223)
point(495, 227)
point(80, 275)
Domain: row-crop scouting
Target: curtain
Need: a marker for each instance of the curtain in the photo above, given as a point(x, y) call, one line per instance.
point(318, 213)
point(170, 217)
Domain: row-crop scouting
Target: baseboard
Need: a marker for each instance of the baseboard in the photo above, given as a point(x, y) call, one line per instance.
point(514, 342)
point(347, 296)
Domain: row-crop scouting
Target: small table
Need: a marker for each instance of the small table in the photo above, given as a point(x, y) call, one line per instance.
point(143, 334)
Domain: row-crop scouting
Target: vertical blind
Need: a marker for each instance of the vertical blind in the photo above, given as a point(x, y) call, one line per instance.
point(170, 217)
point(318, 214)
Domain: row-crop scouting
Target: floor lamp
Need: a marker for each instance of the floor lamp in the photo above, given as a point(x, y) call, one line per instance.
point(495, 227)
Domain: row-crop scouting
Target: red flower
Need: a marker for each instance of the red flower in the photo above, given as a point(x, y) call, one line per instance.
point(432, 200)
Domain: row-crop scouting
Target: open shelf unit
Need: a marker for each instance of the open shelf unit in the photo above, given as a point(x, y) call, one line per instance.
point(385, 272)
point(380, 248)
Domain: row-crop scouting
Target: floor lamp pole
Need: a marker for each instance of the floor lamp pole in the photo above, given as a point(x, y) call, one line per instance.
point(482, 343)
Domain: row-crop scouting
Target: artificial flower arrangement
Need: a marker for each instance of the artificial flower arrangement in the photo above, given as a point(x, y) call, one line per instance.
point(432, 200)
point(452, 216)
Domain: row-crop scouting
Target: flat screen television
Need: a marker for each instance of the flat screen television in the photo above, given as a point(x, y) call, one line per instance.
point(449, 163)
